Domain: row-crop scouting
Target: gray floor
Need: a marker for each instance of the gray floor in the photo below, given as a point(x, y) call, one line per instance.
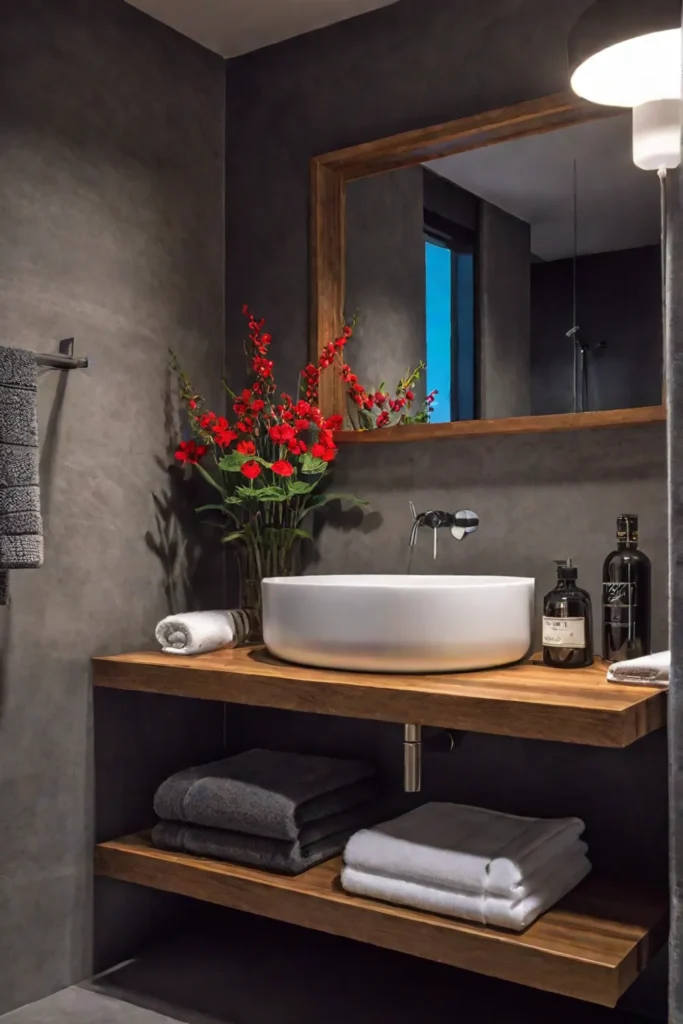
point(81, 1006)
point(236, 969)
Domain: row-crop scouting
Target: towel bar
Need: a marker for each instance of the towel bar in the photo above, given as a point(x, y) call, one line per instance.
point(64, 359)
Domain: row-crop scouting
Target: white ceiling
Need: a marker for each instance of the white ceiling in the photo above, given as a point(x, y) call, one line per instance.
point(232, 27)
point(531, 178)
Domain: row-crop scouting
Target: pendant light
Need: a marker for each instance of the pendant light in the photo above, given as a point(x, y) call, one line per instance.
point(627, 53)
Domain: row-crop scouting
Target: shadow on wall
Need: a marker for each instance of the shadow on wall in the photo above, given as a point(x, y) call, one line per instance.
point(181, 540)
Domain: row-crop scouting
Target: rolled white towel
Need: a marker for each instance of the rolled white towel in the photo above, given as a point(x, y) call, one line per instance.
point(470, 849)
point(487, 910)
point(650, 670)
point(200, 632)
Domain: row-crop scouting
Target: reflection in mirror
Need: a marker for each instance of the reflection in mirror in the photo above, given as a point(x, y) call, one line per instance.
point(525, 275)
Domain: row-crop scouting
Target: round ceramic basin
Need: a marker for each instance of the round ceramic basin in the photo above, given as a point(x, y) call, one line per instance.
point(399, 623)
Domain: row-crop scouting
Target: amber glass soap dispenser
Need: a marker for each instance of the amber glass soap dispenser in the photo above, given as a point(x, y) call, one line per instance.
point(567, 622)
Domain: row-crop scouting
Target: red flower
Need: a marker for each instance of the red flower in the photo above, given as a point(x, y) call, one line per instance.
point(243, 427)
point(225, 437)
point(263, 367)
point(329, 454)
point(192, 404)
point(282, 468)
point(190, 451)
point(325, 438)
point(282, 434)
point(302, 408)
point(348, 331)
point(206, 420)
point(380, 398)
point(318, 451)
point(258, 405)
point(334, 422)
point(251, 470)
point(240, 408)
point(246, 448)
point(246, 395)
point(245, 310)
point(383, 419)
point(410, 396)
point(369, 402)
point(297, 447)
point(301, 425)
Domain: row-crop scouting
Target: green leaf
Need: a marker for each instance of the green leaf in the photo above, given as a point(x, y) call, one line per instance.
point(233, 462)
point(209, 479)
point(230, 538)
point(299, 487)
point(296, 532)
point(210, 508)
point(232, 499)
point(270, 494)
point(311, 465)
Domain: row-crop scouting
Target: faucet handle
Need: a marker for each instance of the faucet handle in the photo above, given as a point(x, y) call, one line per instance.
point(467, 520)
point(464, 522)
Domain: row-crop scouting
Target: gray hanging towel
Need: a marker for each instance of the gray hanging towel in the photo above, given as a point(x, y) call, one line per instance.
point(21, 525)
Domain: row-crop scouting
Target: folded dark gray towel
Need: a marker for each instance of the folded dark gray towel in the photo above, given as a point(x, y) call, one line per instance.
point(287, 858)
point(264, 793)
point(21, 528)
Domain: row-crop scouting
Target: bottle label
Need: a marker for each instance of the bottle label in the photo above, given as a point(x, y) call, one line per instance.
point(619, 595)
point(564, 633)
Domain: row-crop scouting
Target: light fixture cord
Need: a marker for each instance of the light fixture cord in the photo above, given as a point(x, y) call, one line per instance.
point(575, 326)
point(661, 174)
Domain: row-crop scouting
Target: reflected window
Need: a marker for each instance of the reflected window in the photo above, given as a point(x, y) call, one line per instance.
point(450, 284)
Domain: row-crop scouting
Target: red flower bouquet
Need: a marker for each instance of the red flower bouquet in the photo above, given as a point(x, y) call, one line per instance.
point(268, 462)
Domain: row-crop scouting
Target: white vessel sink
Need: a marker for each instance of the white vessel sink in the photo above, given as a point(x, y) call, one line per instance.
point(399, 623)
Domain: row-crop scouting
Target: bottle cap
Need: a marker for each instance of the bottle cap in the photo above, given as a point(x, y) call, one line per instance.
point(627, 527)
point(565, 569)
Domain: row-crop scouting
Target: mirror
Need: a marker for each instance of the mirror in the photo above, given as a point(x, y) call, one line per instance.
point(524, 275)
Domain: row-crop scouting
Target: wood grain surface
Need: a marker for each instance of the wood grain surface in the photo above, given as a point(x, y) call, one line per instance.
point(592, 946)
point(514, 425)
point(529, 700)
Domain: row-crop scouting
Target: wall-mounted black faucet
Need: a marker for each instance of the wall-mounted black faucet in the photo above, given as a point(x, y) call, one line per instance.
point(459, 523)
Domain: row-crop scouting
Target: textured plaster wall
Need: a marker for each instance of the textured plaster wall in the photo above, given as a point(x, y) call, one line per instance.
point(111, 214)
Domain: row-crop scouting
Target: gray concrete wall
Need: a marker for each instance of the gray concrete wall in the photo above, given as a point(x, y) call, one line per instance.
point(111, 212)
point(504, 313)
point(540, 497)
point(385, 276)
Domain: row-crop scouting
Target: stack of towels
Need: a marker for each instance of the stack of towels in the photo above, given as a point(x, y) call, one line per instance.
point(266, 809)
point(492, 868)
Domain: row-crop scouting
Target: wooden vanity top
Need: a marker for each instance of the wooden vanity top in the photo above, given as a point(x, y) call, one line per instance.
point(529, 700)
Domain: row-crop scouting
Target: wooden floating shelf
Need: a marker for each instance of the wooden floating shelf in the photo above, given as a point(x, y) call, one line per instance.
point(515, 425)
point(591, 946)
point(528, 701)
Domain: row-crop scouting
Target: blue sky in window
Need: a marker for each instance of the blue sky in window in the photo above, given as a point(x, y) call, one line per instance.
point(439, 328)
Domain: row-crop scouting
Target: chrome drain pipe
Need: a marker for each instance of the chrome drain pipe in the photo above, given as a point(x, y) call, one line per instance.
point(412, 758)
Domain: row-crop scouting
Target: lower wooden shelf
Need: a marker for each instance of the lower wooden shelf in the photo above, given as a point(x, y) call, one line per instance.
point(591, 946)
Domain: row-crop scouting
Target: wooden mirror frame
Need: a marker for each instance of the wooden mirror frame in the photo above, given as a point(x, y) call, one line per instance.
point(330, 174)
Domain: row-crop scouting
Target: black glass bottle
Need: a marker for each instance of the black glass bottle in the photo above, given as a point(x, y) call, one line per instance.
point(567, 622)
point(626, 586)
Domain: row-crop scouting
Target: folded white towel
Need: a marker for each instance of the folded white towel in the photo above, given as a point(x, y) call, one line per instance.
point(651, 670)
point(200, 632)
point(486, 910)
point(465, 848)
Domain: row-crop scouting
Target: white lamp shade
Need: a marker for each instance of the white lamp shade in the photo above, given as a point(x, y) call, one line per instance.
point(657, 134)
point(632, 72)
